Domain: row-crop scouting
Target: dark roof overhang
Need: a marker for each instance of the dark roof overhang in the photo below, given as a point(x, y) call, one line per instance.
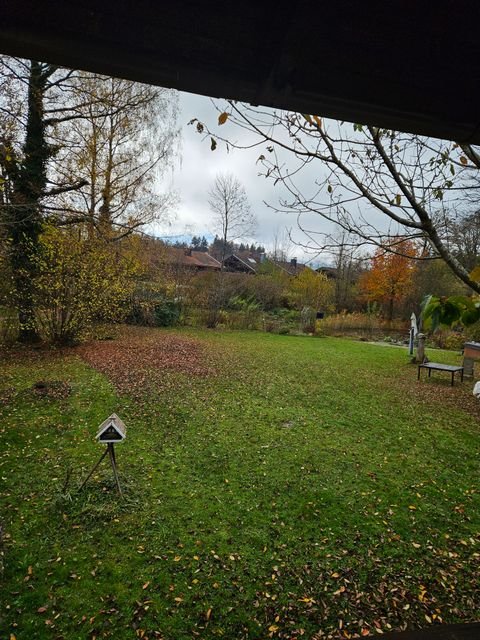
point(400, 64)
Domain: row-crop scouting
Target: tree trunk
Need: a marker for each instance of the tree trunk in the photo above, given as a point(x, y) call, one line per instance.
point(29, 180)
point(390, 309)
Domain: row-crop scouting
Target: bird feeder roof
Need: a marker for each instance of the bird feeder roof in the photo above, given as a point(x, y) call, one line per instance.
point(112, 429)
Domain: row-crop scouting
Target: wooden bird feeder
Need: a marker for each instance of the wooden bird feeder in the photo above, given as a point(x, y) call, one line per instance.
point(111, 431)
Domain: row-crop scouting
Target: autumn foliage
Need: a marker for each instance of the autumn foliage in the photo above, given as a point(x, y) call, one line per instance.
point(311, 289)
point(80, 280)
point(390, 276)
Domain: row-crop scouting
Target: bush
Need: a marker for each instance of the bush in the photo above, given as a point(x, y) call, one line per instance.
point(290, 316)
point(269, 291)
point(167, 313)
point(473, 332)
point(80, 280)
point(447, 339)
point(154, 304)
point(455, 342)
point(141, 313)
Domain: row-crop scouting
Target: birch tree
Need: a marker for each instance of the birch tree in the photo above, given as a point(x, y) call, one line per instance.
point(75, 149)
point(229, 204)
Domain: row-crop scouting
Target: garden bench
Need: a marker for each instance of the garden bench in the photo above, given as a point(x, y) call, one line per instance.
point(437, 366)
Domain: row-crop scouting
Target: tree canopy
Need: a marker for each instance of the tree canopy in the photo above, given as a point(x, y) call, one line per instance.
point(76, 150)
point(375, 184)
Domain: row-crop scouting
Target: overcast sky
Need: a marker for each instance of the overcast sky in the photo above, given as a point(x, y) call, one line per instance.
point(195, 172)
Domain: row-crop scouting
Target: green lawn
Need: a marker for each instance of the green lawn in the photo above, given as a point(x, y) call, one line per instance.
point(279, 487)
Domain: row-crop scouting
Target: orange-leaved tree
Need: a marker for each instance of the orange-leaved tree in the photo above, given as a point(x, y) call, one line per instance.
point(390, 276)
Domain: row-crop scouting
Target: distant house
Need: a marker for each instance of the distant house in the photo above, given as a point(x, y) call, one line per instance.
point(250, 263)
point(236, 263)
point(292, 267)
point(192, 260)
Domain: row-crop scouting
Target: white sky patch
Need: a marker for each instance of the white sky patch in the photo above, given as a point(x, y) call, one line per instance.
point(195, 173)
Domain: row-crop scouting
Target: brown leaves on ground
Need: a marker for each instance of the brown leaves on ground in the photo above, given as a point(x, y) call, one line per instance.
point(7, 395)
point(55, 389)
point(438, 390)
point(138, 361)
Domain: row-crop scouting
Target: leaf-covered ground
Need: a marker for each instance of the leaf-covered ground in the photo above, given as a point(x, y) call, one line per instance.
point(274, 487)
point(137, 363)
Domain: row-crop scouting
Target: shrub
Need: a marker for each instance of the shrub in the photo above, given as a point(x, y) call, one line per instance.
point(289, 316)
point(270, 291)
point(311, 289)
point(473, 332)
point(154, 303)
point(447, 339)
point(167, 313)
point(208, 294)
point(455, 342)
point(79, 280)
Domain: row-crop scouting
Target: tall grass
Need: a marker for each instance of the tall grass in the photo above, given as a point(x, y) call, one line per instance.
point(359, 324)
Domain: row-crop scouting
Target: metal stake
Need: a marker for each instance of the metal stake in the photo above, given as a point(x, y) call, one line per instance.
point(111, 453)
